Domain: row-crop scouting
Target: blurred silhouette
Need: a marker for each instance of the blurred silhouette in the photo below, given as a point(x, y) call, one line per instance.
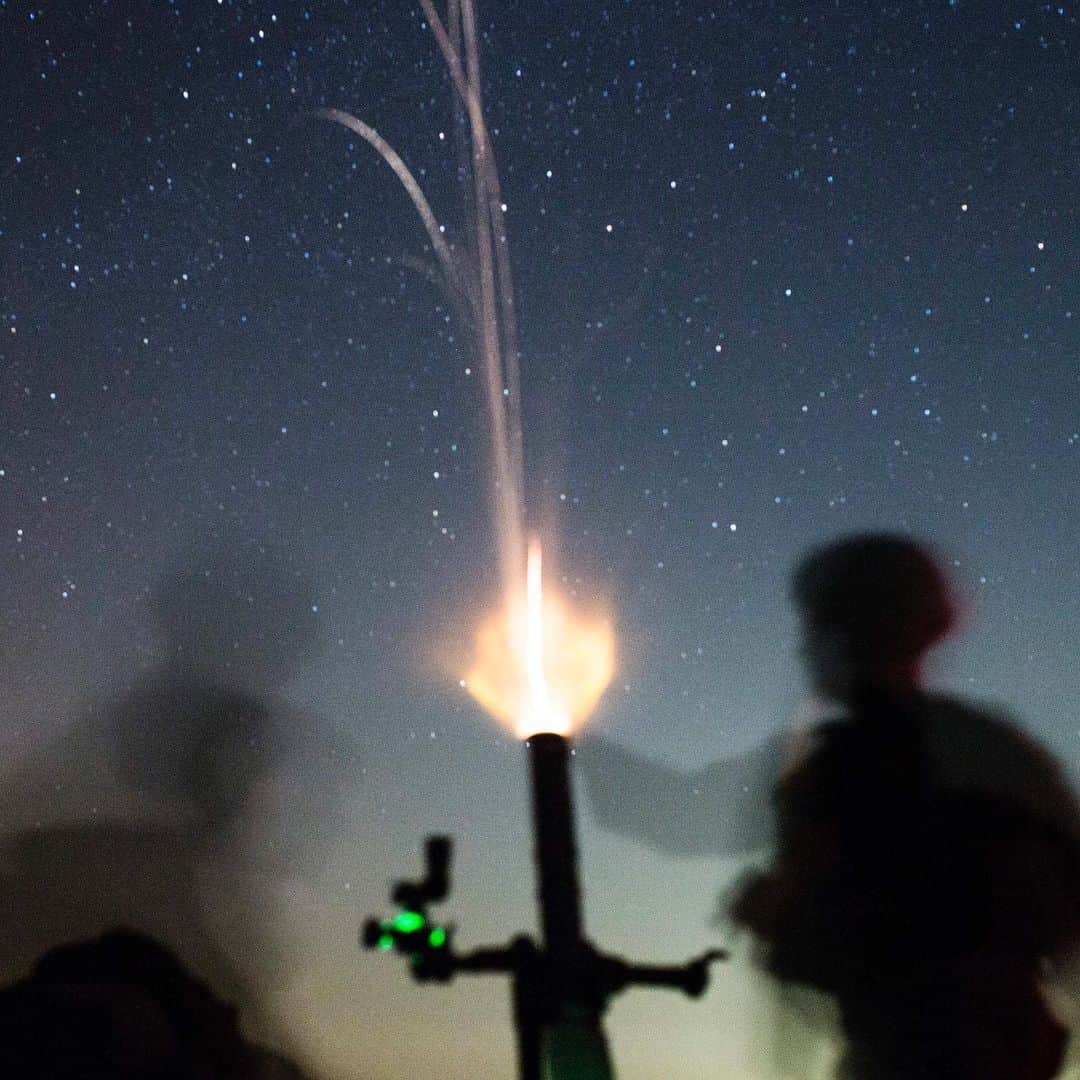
point(927, 862)
point(721, 809)
point(123, 1008)
point(926, 868)
point(181, 809)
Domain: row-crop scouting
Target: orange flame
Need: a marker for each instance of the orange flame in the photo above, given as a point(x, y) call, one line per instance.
point(540, 665)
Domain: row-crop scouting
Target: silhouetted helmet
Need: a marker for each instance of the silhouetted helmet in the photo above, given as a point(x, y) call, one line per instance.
point(884, 593)
point(242, 616)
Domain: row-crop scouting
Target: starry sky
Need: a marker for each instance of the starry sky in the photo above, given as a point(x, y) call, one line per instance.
point(783, 270)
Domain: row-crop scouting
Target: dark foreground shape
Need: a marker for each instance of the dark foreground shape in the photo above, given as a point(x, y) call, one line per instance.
point(926, 871)
point(121, 1007)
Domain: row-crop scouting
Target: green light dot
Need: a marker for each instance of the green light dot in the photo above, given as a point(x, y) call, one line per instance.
point(408, 922)
point(437, 937)
point(385, 942)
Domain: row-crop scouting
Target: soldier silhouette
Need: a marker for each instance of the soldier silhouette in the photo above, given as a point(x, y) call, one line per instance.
point(926, 853)
point(927, 859)
point(177, 809)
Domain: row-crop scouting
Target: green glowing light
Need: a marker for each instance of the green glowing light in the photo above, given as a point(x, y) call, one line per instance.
point(385, 942)
point(437, 937)
point(408, 922)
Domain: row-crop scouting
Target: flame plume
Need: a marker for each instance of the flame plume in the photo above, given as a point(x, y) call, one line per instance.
point(541, 665)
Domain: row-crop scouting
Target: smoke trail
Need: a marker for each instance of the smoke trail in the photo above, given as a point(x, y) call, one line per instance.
point(478, 279)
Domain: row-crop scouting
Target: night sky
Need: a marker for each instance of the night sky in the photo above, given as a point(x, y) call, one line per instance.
point(783, 270)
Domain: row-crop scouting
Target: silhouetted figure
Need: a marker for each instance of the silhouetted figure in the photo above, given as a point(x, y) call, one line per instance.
point(927, 859)
point(123, 1008)
point(169, 746)
point(721, 809)
point(181, 808)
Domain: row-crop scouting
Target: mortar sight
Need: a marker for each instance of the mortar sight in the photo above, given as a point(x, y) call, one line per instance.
point(411, 931)
point(435, 884)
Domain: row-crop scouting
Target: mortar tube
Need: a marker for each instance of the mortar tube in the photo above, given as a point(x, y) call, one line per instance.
point(555, 847)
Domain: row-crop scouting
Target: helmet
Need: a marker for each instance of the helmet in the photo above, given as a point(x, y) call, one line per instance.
point(883, 593)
